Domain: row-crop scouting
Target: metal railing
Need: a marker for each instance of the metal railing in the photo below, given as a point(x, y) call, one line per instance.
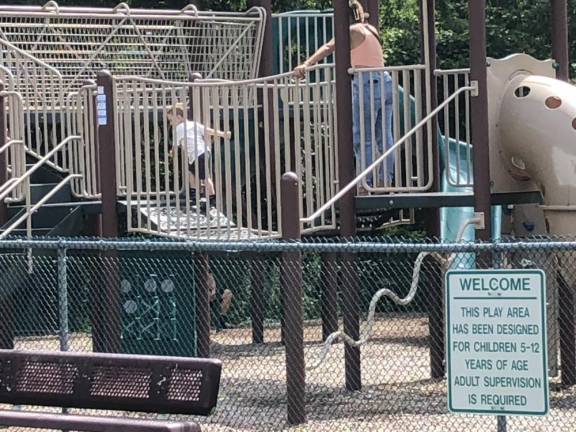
point(83, 159)
point(42, 89)
point(298, 34)
point(24, 181)
point(276, 124)
point(387, 154)
point(454, 123)
point(166, 44)
point(49, 52)
point(387, 103)
point(31, 209)
point(13, 141)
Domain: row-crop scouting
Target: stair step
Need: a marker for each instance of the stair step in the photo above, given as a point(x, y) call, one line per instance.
point(44, 174)
point(45, 217)
point(70, 225)
point(38, 191)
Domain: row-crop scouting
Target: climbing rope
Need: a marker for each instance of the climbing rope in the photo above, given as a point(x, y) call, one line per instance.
point(385, 292)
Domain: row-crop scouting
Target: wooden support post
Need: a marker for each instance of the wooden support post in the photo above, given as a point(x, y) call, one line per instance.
point(202, 305)
point(373, 9)
point(329, 294)
point(346, 171)
point(292, 292)
point(202, 275)
point(430, 102)
point(3, 159)
point(560, 45)
point(266, 139)
point(107, 321)
point(107, 154)
point(257, 298)
point(567, 330)
point(479, 115)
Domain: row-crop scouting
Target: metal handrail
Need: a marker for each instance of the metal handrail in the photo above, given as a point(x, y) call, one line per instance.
point(38, 164)
point(49, 163)
point(30, 57)
point(440, 72)
point(7, 184)
point(378, 161)
point(8, 144)
point(29, 212)
point(2, 150)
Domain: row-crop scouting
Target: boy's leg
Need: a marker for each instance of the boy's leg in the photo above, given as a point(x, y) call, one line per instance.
point(193, 184)
point(209, 187)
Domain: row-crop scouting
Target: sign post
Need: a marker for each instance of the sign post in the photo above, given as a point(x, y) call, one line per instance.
point(496, 342)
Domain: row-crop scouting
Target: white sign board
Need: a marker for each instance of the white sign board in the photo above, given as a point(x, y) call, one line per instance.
point(101, 107)
point(496, 342)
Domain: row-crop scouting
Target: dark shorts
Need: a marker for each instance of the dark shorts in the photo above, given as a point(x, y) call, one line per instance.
point(201, 161)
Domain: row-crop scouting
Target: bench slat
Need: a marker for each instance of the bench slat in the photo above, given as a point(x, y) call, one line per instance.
point(91, 424)
point(176, 385)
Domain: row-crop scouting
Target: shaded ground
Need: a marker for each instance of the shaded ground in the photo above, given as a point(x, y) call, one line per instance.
point(397, 392)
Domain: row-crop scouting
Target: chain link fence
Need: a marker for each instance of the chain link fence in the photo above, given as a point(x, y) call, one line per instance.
point(265, 310)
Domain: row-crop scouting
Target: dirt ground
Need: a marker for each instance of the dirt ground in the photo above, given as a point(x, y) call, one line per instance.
point(397, 393)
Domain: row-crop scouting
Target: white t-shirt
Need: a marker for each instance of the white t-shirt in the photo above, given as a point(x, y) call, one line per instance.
point(193, 133)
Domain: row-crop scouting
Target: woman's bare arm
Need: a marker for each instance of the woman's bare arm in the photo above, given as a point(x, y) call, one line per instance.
point(322, 52)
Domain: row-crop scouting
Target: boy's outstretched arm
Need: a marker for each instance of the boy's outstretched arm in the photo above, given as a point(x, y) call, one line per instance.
point(218, 133)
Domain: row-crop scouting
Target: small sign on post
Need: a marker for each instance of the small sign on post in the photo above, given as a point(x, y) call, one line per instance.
point(101, 107)
point(496, 342)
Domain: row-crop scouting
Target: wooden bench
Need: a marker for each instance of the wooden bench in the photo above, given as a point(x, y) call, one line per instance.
point(173, 385)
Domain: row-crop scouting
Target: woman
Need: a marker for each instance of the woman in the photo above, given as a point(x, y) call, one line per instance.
point(366, 52)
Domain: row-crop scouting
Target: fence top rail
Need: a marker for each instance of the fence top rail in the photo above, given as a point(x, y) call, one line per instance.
point(268, 246)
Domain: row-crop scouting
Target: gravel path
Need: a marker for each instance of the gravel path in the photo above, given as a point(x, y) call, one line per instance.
point(397, 392)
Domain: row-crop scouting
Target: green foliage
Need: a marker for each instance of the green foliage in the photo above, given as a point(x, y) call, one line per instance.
point(512, 25)
point(399, 23)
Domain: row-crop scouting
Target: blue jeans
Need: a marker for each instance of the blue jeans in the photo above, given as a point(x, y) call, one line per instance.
point(371, 83)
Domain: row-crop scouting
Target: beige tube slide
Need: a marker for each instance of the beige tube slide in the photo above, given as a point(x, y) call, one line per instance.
point(535, 132)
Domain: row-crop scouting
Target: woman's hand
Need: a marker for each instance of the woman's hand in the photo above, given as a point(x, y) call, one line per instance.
point(300, 71)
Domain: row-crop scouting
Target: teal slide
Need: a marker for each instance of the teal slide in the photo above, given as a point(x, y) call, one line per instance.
point(452, 219)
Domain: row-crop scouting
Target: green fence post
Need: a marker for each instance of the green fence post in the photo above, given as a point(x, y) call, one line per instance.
point(64, 331)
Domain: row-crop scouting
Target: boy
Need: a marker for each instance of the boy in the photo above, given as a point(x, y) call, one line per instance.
point(192, 136)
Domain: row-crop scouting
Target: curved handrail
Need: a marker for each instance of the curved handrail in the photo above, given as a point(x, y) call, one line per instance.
point(36, 206)
point(9, 75)
point(212, 82)
point(378, 161)
point(8, 144)
point(122, 8)
point(189, 9)
point(51, 6)
point(441, 72)
point(49, 163)
point(31, 57)
point(38, 164)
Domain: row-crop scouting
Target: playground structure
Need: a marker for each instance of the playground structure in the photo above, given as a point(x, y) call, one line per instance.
point(81, 101)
